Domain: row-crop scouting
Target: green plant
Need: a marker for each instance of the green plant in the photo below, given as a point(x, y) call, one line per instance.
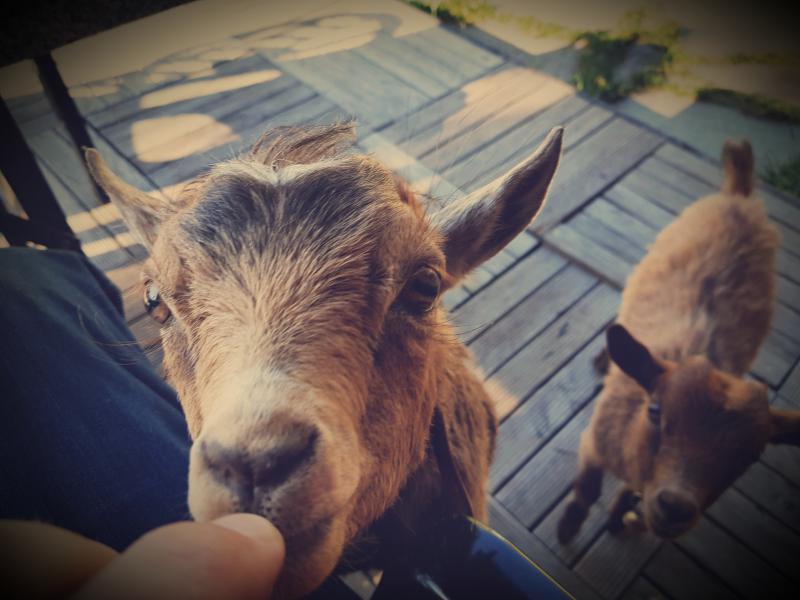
point(602, 52)
point(784, 176)
point(457, 12)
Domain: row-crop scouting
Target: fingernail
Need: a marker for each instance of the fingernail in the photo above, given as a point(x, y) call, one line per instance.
point(252, 526)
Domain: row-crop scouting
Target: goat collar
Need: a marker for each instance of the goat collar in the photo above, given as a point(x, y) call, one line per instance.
point(451, 477)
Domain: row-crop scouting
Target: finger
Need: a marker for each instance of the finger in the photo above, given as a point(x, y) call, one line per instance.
point(237, 556)
point(38, 560)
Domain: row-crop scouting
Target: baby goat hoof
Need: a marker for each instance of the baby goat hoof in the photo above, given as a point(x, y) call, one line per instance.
point(571, 522)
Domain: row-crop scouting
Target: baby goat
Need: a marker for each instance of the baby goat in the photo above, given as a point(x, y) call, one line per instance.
point(676, 420)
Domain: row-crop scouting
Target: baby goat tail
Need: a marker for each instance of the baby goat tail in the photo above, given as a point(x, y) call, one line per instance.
point(737, 161)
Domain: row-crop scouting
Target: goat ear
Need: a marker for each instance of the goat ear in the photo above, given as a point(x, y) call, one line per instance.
point(142, 212)
point(633, 357)
point(479, 225)
point(785, 426)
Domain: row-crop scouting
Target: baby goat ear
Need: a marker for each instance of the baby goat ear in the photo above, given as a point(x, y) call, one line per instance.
point(633, 357)
point(479, 225)
point(785, 426)
point(142, 212)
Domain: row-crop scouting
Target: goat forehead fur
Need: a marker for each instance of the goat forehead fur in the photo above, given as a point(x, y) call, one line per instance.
point(321, 215)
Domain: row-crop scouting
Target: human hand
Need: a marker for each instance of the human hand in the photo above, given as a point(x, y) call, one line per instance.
point(237, 556)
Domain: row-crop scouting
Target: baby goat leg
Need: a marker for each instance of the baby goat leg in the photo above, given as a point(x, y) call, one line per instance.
point(585, 492)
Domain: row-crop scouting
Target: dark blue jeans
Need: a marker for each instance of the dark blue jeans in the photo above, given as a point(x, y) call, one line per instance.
point(91, 439)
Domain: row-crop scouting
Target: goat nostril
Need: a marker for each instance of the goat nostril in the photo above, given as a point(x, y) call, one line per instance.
point(277, 465)
point(676, 507)
point(230, 468)
point(250, 476)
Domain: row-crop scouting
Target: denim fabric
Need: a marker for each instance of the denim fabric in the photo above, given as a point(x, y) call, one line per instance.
point(91, 439)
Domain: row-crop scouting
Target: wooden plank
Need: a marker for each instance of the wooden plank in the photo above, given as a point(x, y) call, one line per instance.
point(668, 199)
point(459, 55)
point(668, 175)
point(550, 350)
point(598, 259)
point(374, 96)
point(773, 493)
point(781, 209)
point(673, 178)
point(582, 176)
point(505, 292)
point(499, 263)
point(719, 552)
point(62, 158)
point(764, 534)
point(418, 72)
point(240, 127)
point(460, 110)
point(600, 234)
point(585, 124)
point(789, 293)
point(621, 223)
point(458, 129)
point(477, 279)
point(316, 109)
point(509, 527)
point(650, 214)
point(680, 577)
point(532, 492)
point(787, 322)
point(164, 134)
point(454, 297)
point(534, 422)
point(592, 528)
point(435, 190)
point(484, 164)
point(114, 117)
point(521, 244)
point(120, 164)
point(790, 389)
point(789, 265)
point(498, 122)
point(641, 589)
point(776, 358)
point(614, 561)
point(694, 189)
point(785, 458)
point(125, 277)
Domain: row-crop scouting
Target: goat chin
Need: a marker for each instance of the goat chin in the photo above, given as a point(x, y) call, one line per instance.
point(310, 558)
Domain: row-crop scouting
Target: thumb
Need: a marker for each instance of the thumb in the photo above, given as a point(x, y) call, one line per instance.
point(237, 556)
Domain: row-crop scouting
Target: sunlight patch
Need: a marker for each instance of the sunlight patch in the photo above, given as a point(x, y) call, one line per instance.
point(196, 89)
point(150, 136)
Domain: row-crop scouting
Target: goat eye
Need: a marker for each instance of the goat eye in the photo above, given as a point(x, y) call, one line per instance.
point(153, 304)
point(422, 290)
point(654, 414)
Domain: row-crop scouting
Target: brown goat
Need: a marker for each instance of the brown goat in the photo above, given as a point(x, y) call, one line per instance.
point(299, 290)
point(676, 420)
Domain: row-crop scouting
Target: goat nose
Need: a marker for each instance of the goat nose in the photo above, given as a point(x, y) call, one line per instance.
point(676, 507)
point(248, 474)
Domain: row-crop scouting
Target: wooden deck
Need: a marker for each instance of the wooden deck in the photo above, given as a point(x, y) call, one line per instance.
point(450, 116)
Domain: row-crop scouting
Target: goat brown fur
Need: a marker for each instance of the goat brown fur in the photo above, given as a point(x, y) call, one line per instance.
point(304, 333)
point(676, 420)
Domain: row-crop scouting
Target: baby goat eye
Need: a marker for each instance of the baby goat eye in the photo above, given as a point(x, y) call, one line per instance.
point(422, 290)
point(153, 304)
